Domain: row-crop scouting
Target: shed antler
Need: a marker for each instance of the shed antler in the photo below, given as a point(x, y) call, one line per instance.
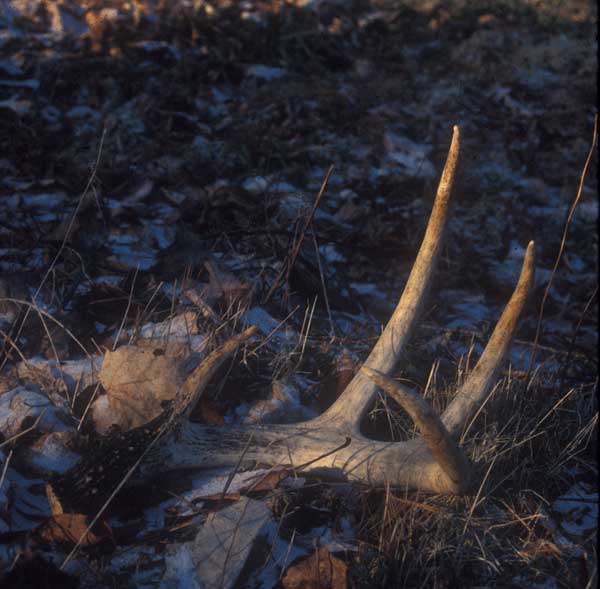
point(332, 442)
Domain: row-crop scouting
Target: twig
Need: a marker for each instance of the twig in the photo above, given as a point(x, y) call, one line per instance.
point(25, 431)
point(322, 276)
point(64, 241)
point(562, 244)
point(5, 467)
point(89, 404)
point(566, 363)
point(48, 316)
point(285, 271)
point(129, 299)
point(127, 476)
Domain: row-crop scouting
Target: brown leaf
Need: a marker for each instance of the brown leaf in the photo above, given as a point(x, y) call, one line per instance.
point(269, 482)
point(68, 528)
point(55, 505)
point(137, 379)
point(321, 570)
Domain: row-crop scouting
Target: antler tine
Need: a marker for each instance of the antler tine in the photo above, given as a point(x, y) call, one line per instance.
point(443, 448)
point(196, 382)
point(349, 408)
point(474, 390)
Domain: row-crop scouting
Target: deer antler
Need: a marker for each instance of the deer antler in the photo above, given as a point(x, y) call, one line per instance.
point(332, 443)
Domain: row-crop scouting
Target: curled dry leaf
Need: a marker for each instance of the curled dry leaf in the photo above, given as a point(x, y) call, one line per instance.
point(320, 570)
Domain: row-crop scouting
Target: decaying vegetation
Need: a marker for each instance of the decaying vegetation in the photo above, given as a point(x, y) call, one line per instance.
point(206, 213)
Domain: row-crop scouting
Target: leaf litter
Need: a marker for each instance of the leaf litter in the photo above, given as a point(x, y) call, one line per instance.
point(220, 123)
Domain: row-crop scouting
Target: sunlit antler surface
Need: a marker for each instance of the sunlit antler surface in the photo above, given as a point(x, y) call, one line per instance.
point(332, 443)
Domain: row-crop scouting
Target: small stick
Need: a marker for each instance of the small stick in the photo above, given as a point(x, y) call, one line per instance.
point(562, 245)
point(288, 267)
point(331, 325)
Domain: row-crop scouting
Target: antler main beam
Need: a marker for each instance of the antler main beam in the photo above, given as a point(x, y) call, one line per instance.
point(433, 462)
point(332, 443)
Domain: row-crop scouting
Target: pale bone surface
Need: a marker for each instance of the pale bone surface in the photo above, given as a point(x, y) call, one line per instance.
point(332, 443)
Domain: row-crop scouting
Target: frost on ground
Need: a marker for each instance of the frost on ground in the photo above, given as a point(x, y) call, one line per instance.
point(205, 131)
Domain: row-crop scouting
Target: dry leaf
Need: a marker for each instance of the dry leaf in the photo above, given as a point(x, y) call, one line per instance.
point(216, 557)
point(55, 505)
point(68, 528)
point(137, 379)
point(321, 570)
point(268, 482)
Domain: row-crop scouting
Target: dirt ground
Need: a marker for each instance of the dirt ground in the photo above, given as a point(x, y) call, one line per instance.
point(160, 158)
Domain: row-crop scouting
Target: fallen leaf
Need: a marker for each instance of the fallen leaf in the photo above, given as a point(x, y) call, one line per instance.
point(137, 379)
point(268, 481)
point(68, 528)
point(320, 570)
point(55, 505)
point(221, 547)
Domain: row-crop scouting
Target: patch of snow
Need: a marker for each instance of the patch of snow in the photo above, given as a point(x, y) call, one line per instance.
point(527, 583)
point(331, 253)
point(366, 289)
point(282, 554)
point(22, 403)
point(577, 511)
point(283, 186)
point(255, 184)
point(587, 210)
point(468, 309)
point(29, 505)
point(180, 572)
point(131, 557)
point(52, 456)
point(334, 542)
point(18, 105)
point(74, 373)
point(32, 84)
point(181, 328)
point(265, 72)
point(411, 156)
point(110, 280)
point(82, 112)
point(269, 326)
point(11, 67)
point(130, 251)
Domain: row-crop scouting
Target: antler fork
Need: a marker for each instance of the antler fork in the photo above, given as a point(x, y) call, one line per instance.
point(332, 443)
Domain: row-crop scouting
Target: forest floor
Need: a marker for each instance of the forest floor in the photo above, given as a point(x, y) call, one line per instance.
point(158, 159)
